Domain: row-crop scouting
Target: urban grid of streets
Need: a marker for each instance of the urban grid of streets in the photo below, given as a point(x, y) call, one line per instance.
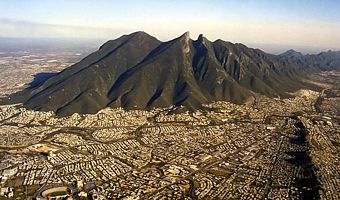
point(273, 148)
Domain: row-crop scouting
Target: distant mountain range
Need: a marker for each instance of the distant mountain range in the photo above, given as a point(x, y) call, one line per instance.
point(137, 71)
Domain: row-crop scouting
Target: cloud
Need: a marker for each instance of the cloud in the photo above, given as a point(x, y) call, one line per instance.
point(314, 34)
point(306, 35)
point(16, 28)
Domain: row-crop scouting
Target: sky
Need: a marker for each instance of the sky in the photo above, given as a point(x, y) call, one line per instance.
point(309, 25)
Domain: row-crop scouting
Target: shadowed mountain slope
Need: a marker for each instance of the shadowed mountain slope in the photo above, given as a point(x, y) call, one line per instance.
point(83, 87)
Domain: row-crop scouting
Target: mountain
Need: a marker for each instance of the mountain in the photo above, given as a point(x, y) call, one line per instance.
point(329, 60)
point(137, 71)
point(291, 53)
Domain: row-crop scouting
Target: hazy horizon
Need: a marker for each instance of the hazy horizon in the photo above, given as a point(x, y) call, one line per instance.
point(308, 26)
point(67, 42)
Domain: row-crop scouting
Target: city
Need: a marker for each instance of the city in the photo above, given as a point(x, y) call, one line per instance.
point(273, 148)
